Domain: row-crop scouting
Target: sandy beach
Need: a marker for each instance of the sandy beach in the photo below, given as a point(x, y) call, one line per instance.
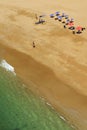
point(57, 66)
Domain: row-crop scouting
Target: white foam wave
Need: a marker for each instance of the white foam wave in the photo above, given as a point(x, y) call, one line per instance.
point(53, 108)
point(7, 66)
point(48, 104)
point(62, 118)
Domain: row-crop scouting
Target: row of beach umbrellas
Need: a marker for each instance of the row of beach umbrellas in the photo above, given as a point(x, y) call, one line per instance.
point(64, 18)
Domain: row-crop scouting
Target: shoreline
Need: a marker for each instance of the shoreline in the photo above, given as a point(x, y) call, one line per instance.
point(71, 107)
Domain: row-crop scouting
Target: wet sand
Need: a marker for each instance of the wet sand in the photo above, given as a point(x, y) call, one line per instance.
point(58, 65)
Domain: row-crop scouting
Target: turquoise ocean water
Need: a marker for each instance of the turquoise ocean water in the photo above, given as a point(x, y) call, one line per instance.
point(20, 109)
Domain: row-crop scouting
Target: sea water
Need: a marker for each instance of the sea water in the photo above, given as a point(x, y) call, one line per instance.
point(20, 109)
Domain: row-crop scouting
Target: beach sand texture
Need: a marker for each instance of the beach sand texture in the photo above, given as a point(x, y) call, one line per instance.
point(58, 64)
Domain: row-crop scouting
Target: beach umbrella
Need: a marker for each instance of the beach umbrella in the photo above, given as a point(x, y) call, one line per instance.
point(59, 17)
point(70, 24)
point(57, 13)
point(51, 15)
point(79, 28)
point(67, 21)
point(71, 27)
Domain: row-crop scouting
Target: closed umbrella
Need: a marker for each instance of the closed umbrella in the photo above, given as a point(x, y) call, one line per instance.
point(67, 21)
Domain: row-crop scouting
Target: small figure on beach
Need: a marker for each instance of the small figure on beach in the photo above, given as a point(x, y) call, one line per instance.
point(64, 26)
point(66, 16)
point(71, 20)
point(57, 13)
point(40, 19)
point(34, 44)
point(36, 16)
point(83, 29)
point(63, 15)
point(67, 21)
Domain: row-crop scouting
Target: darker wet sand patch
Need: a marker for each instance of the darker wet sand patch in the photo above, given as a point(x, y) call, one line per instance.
point(12, 17)
point(25, 12)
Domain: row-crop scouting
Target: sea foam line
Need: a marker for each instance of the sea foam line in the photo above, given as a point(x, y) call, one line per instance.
point(62, 118)
point(53, 108)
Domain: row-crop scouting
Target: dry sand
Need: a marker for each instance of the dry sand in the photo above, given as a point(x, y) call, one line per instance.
point(58, 64)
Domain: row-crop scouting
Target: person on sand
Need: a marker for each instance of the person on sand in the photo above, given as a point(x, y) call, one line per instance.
point(71, 20)
point(36, 16)
point(63, 15)
point(34, 44)
point(66, 16)
point(83, 29)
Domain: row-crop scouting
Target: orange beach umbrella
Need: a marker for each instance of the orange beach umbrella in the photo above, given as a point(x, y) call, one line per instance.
point(79, 28)
point(70, 24)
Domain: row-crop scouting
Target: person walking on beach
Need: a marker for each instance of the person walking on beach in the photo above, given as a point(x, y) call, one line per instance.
point(36, 16)
point(34, 44)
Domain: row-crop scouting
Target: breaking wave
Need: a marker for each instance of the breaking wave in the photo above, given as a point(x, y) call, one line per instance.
point(7, 66)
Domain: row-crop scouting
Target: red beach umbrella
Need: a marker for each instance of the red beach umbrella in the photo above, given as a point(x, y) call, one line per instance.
point(70, 24)
point(79, 28)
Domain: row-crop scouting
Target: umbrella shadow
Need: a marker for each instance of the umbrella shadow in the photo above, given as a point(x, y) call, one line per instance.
point(40, 22)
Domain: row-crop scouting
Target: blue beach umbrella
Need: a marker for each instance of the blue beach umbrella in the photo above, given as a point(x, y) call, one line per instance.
point(67, 20)
point(59, 17)
point(51, 15)
point(57, 13)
